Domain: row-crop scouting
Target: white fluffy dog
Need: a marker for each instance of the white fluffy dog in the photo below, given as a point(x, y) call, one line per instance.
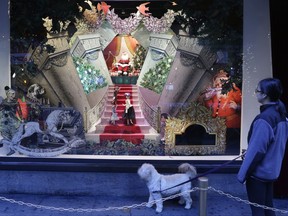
point(157, 183)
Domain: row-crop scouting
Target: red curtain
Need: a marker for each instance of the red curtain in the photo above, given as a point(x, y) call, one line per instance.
point(113, 49)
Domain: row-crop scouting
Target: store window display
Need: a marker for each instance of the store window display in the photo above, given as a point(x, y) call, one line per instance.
point(226, 105)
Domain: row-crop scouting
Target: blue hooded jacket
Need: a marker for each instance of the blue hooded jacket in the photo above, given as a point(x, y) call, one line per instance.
point(267, 140)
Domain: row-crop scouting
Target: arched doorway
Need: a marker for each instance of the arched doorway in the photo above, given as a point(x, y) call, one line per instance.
point(124, 57)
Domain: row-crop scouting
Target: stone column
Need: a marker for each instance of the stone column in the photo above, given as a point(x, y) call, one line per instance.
point(142, 35)
point(89, 47)
point(59, 76)
point(188, 74)
point(4, 46)
point(161, 45)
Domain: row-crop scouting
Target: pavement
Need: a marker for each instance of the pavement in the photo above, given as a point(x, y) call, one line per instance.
point(218, 203)
point(107, 193)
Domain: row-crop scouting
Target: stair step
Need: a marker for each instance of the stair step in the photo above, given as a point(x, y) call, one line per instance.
point(121, 127)
point(121, 107)
point(123, 90)
point(139, 120)
point(110, 97)
point(122, 101)
point(122, 85)
point(96, 137)
point(135, 133)
point(122, 130)
point(138, 114)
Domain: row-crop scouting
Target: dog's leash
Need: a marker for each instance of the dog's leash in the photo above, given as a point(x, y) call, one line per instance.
point(203, 174)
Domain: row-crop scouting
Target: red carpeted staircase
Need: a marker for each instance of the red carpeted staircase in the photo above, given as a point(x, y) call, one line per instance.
point(132, 133)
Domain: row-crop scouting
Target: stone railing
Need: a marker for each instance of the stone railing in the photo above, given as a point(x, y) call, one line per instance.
point(151, 113)
point(93, 115)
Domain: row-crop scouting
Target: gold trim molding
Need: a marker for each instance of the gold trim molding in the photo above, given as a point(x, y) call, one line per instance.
point(192, 114)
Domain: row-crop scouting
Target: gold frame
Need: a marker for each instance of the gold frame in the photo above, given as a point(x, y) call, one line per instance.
point(198, 114)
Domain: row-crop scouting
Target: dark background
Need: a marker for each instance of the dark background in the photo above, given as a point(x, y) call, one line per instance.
point(279, 38)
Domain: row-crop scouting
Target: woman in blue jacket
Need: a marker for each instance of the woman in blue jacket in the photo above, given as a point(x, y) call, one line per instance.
point(267, 140)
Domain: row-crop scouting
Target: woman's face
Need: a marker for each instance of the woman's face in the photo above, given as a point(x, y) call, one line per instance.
point(259, 94)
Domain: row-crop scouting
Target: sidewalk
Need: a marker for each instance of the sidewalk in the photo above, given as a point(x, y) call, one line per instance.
point(57, 193)
point(74, 205)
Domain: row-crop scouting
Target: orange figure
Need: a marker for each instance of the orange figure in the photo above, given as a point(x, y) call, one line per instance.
point(104, 7)
point(142, 9)
point(22, 111)
point(227, 105)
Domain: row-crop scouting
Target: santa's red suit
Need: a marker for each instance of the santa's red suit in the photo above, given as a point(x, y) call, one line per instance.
point(123, 65)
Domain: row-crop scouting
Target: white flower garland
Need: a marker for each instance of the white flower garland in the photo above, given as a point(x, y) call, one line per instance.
point(125, 26)
point(130, 24)
point(161, 25)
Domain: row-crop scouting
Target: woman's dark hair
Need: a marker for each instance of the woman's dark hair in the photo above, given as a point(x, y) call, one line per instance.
point(272, 87)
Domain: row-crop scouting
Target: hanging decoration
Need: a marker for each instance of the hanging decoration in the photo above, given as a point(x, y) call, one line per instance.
point(104, 7)
point(95, 17)
point(161, 25)
point(142, 9)
point(123, 26)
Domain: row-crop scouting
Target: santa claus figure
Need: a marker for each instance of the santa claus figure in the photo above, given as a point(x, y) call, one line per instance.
point(123, 66)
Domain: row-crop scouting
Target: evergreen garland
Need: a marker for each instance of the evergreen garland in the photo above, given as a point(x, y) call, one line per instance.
point(139, 57)
point(156, 77)
point(90, 78)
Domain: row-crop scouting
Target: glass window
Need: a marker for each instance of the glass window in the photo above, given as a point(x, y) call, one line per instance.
point(95, 78)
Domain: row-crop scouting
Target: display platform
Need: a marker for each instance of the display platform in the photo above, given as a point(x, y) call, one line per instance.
point(124, 79)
